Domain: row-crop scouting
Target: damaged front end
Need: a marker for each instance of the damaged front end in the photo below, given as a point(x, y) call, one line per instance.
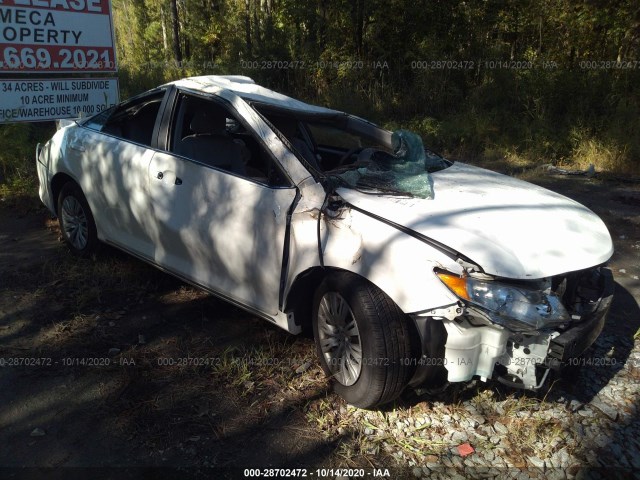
point(513, 331)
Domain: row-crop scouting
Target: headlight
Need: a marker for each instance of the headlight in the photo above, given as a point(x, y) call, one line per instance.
point(509, 303)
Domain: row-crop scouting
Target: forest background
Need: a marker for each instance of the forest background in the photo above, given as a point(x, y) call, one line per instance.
point(514, 82)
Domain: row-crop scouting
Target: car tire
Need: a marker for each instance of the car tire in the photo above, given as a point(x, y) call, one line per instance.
point(76, 221)
point(353, 321)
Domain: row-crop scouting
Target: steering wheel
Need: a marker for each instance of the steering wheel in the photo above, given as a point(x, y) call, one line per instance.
point(348, 155)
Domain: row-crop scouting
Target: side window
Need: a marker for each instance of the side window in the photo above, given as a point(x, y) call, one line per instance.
point(97, 121)
point(135, 120)
point(207, 132)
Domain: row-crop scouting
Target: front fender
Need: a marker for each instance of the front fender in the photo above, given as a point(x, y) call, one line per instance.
point(399, 264)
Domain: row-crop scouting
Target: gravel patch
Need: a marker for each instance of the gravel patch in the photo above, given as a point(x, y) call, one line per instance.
point(550, 435)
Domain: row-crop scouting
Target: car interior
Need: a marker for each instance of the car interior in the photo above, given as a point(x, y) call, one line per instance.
point(323, 142)
point(200, 133)
point(207, 132)
point(135, 122)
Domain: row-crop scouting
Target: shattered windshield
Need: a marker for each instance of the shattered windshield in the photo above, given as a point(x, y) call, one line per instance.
point(347, 151)
point(404, 171)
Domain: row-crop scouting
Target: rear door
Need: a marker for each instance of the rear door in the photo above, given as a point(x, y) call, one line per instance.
point(116, 151)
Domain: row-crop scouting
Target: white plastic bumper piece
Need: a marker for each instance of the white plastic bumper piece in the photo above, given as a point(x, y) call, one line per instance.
point(472, 350)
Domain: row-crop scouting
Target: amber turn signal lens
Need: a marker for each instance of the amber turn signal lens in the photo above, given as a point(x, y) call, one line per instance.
point(456, 284)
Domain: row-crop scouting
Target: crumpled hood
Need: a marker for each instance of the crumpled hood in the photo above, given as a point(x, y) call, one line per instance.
point(509, 227)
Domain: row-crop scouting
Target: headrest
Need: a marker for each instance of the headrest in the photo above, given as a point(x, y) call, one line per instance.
point(208, 122)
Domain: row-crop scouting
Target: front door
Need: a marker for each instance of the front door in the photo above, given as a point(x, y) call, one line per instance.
point(219, 230)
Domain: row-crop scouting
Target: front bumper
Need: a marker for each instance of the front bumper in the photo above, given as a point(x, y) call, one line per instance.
point(528, 365)
point(492, 351)
point(576, 340)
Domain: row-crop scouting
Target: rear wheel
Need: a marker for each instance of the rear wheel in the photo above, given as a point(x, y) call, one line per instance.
point(76, 220)
point(362, 340)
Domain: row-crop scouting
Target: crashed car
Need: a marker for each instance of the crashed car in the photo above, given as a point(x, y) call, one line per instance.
point(409, 269)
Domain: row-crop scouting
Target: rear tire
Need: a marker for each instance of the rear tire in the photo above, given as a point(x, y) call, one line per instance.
point(362, 340)
point(76, 221)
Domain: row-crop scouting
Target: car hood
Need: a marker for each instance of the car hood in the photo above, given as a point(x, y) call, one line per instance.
point(508, 227)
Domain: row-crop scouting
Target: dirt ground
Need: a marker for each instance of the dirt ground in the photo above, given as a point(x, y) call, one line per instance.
point(118, 370)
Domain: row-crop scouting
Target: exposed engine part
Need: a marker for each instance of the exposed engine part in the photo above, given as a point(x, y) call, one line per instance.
point(524, 358)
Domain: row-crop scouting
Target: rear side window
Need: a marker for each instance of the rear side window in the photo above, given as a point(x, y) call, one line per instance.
point(134, 121)
point(97, 121)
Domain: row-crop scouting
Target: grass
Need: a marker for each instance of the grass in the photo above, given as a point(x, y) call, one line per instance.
point(259, 373)
point(526, 421)
point(20, 193)
point(18, 179)
point(271, 360)
point(514, 144)
point(267, 371)
point(419, 434)
point(604, 156)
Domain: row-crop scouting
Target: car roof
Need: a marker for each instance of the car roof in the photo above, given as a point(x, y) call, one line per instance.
point(246, 88)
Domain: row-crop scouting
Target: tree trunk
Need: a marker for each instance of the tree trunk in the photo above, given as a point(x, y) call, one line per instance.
point(257, 32)
point(165, 38)
point(268, 21)
point(514, 44)
point(630, 37)
point(359, 26)
point(177, 52)
point(322, 25)
point(247, 26)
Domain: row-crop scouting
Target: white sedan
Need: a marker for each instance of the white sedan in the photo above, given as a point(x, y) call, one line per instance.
point(411, 270)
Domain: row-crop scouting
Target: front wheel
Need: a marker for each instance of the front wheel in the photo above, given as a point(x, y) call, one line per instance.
point(362, 339)
point(76, 220)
